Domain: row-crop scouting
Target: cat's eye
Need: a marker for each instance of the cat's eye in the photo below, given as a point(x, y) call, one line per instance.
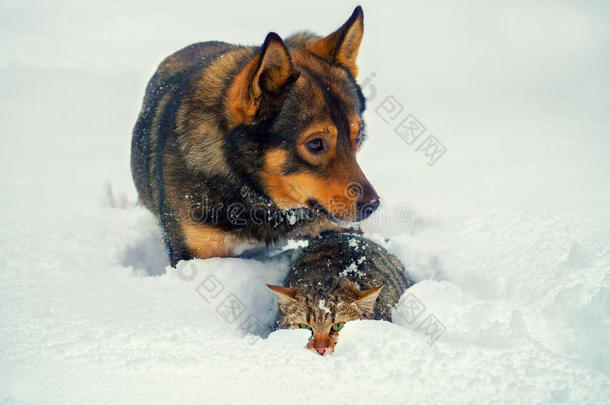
point(338, 326)
point(304, 326)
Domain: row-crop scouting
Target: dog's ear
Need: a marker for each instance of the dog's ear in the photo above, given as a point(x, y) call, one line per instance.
point(258, 88)
point(341, 47)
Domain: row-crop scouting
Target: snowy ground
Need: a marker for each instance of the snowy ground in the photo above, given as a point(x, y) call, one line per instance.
point(508, 233)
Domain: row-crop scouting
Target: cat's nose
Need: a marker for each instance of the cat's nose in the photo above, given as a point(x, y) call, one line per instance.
point(321, 350)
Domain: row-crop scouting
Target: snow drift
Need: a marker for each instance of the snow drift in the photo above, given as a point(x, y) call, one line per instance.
point(507, 232)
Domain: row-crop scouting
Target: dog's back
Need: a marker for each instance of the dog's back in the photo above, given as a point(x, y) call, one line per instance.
point(170, 77)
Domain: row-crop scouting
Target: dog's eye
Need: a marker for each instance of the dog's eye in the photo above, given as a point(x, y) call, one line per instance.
point(316, 145)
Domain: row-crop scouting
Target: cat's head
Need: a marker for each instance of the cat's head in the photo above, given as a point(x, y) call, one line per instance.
point(323, 309)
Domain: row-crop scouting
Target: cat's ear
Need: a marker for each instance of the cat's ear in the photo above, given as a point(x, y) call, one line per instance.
point(341, 47)
point(367, 300)
point(284, 294)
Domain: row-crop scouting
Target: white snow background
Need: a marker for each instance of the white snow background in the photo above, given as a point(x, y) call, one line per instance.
point(507, 234)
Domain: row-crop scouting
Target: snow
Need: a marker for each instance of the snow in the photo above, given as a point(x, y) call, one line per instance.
point(351, 270)
point(293, 244)
point(507, 233)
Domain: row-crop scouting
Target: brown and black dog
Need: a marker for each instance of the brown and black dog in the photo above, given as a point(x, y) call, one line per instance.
point(239, 144)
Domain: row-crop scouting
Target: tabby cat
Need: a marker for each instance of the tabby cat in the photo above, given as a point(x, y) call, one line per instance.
point(337, 278)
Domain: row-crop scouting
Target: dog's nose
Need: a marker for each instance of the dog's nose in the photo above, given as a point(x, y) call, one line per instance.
point(321, 350)
point(365, 210)
point(368, 202)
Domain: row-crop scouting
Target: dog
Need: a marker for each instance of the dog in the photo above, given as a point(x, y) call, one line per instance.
point(241, 145)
